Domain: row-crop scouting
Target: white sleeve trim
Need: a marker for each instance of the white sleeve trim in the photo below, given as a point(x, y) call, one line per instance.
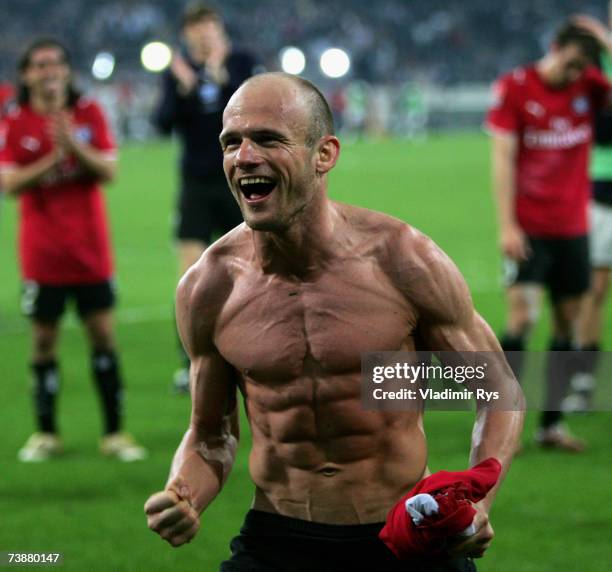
point(491, 129)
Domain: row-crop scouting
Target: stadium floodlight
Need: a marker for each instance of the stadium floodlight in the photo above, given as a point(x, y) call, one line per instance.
point(103, 66)
point(292, 60)
point(335, 62)
point(155, 56)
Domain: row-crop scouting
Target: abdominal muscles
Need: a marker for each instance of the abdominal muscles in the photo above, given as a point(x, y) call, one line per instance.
point(318, 455)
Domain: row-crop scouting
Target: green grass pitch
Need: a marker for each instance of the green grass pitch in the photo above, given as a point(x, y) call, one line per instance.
point(552, 514)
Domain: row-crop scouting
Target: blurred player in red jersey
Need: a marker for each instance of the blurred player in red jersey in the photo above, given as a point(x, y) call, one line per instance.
point(57, 150)
point(7, 98)
point(7, 94)
point(590, 329)
point(541, 124)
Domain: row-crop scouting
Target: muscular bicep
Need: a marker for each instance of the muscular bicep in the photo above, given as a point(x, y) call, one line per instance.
point(212, 379)
point(447, 320)
point(457, 329)
point(471, 334)
point(205, 457)
point(211, 441)
point(213, 393)
point(450, 327)
point(450, 323)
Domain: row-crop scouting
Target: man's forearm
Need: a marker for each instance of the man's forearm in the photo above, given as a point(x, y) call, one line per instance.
point(503, 167)
point(202, 465)
point(496, 434)
point(219, 74)
point(22, 178)
point(505, 205)
point(94, 161)
point(503, 190)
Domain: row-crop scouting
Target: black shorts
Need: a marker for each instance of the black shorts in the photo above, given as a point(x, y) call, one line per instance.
point(46, 303)
point(274, 543)
point(560, 264)
point(206, 209)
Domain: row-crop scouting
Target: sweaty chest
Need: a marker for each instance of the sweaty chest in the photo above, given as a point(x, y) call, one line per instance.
point(272, 330)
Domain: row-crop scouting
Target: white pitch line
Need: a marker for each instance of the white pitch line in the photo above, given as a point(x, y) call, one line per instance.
point(481, 284)
point(129, 316)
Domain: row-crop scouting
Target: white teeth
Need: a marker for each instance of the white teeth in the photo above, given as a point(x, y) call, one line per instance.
point(254, 180)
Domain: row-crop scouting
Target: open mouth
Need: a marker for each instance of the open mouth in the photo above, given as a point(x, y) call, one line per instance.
point(257, 188)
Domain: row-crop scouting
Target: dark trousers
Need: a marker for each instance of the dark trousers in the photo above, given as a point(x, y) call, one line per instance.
point(274, 543)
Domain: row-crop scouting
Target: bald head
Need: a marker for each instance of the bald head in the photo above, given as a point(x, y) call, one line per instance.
point(278, 146)
point(317, 113)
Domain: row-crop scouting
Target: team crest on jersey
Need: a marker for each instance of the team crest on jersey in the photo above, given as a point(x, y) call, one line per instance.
point(82, 134)
point(580, 105)
point(534, 108)
point(30, 143)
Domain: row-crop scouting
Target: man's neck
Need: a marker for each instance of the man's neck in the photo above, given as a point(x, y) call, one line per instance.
point(46, 105)
point(307, 246)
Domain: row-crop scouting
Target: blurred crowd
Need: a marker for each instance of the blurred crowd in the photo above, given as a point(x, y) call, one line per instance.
point(438, 41)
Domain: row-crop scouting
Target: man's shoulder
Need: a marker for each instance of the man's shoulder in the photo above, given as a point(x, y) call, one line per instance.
point(423, 272)
point(212, 277)
point(408, 256)
point(87, 105)
point(389, 235)
point(16, 115)
point(519, 76)
point(519, 80)
point(20, 122)
point(367, 220)
point(515, 83)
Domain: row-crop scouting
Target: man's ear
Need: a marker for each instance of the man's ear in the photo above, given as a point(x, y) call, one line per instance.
point(328, 151)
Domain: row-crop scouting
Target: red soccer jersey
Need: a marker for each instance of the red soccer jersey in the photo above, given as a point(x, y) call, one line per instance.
point(7, 94)
point(63, 232)
point(554, 132)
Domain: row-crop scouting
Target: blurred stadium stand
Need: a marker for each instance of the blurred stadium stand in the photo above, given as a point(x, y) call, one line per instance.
point(446, 50)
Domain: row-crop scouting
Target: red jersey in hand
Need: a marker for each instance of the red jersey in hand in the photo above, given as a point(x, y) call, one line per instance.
point(554, 131)
point(454, 492)
point(63, 231)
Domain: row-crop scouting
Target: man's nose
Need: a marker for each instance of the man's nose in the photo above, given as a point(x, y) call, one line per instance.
point(247, 154)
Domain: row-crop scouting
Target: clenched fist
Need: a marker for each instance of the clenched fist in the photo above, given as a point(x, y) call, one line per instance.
point(474, 546)
point(170, 514)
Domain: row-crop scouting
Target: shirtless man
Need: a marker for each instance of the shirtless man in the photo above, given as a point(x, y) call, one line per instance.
point(282, 308)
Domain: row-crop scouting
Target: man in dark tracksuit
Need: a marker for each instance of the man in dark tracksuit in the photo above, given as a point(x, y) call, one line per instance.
point(195, 90)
